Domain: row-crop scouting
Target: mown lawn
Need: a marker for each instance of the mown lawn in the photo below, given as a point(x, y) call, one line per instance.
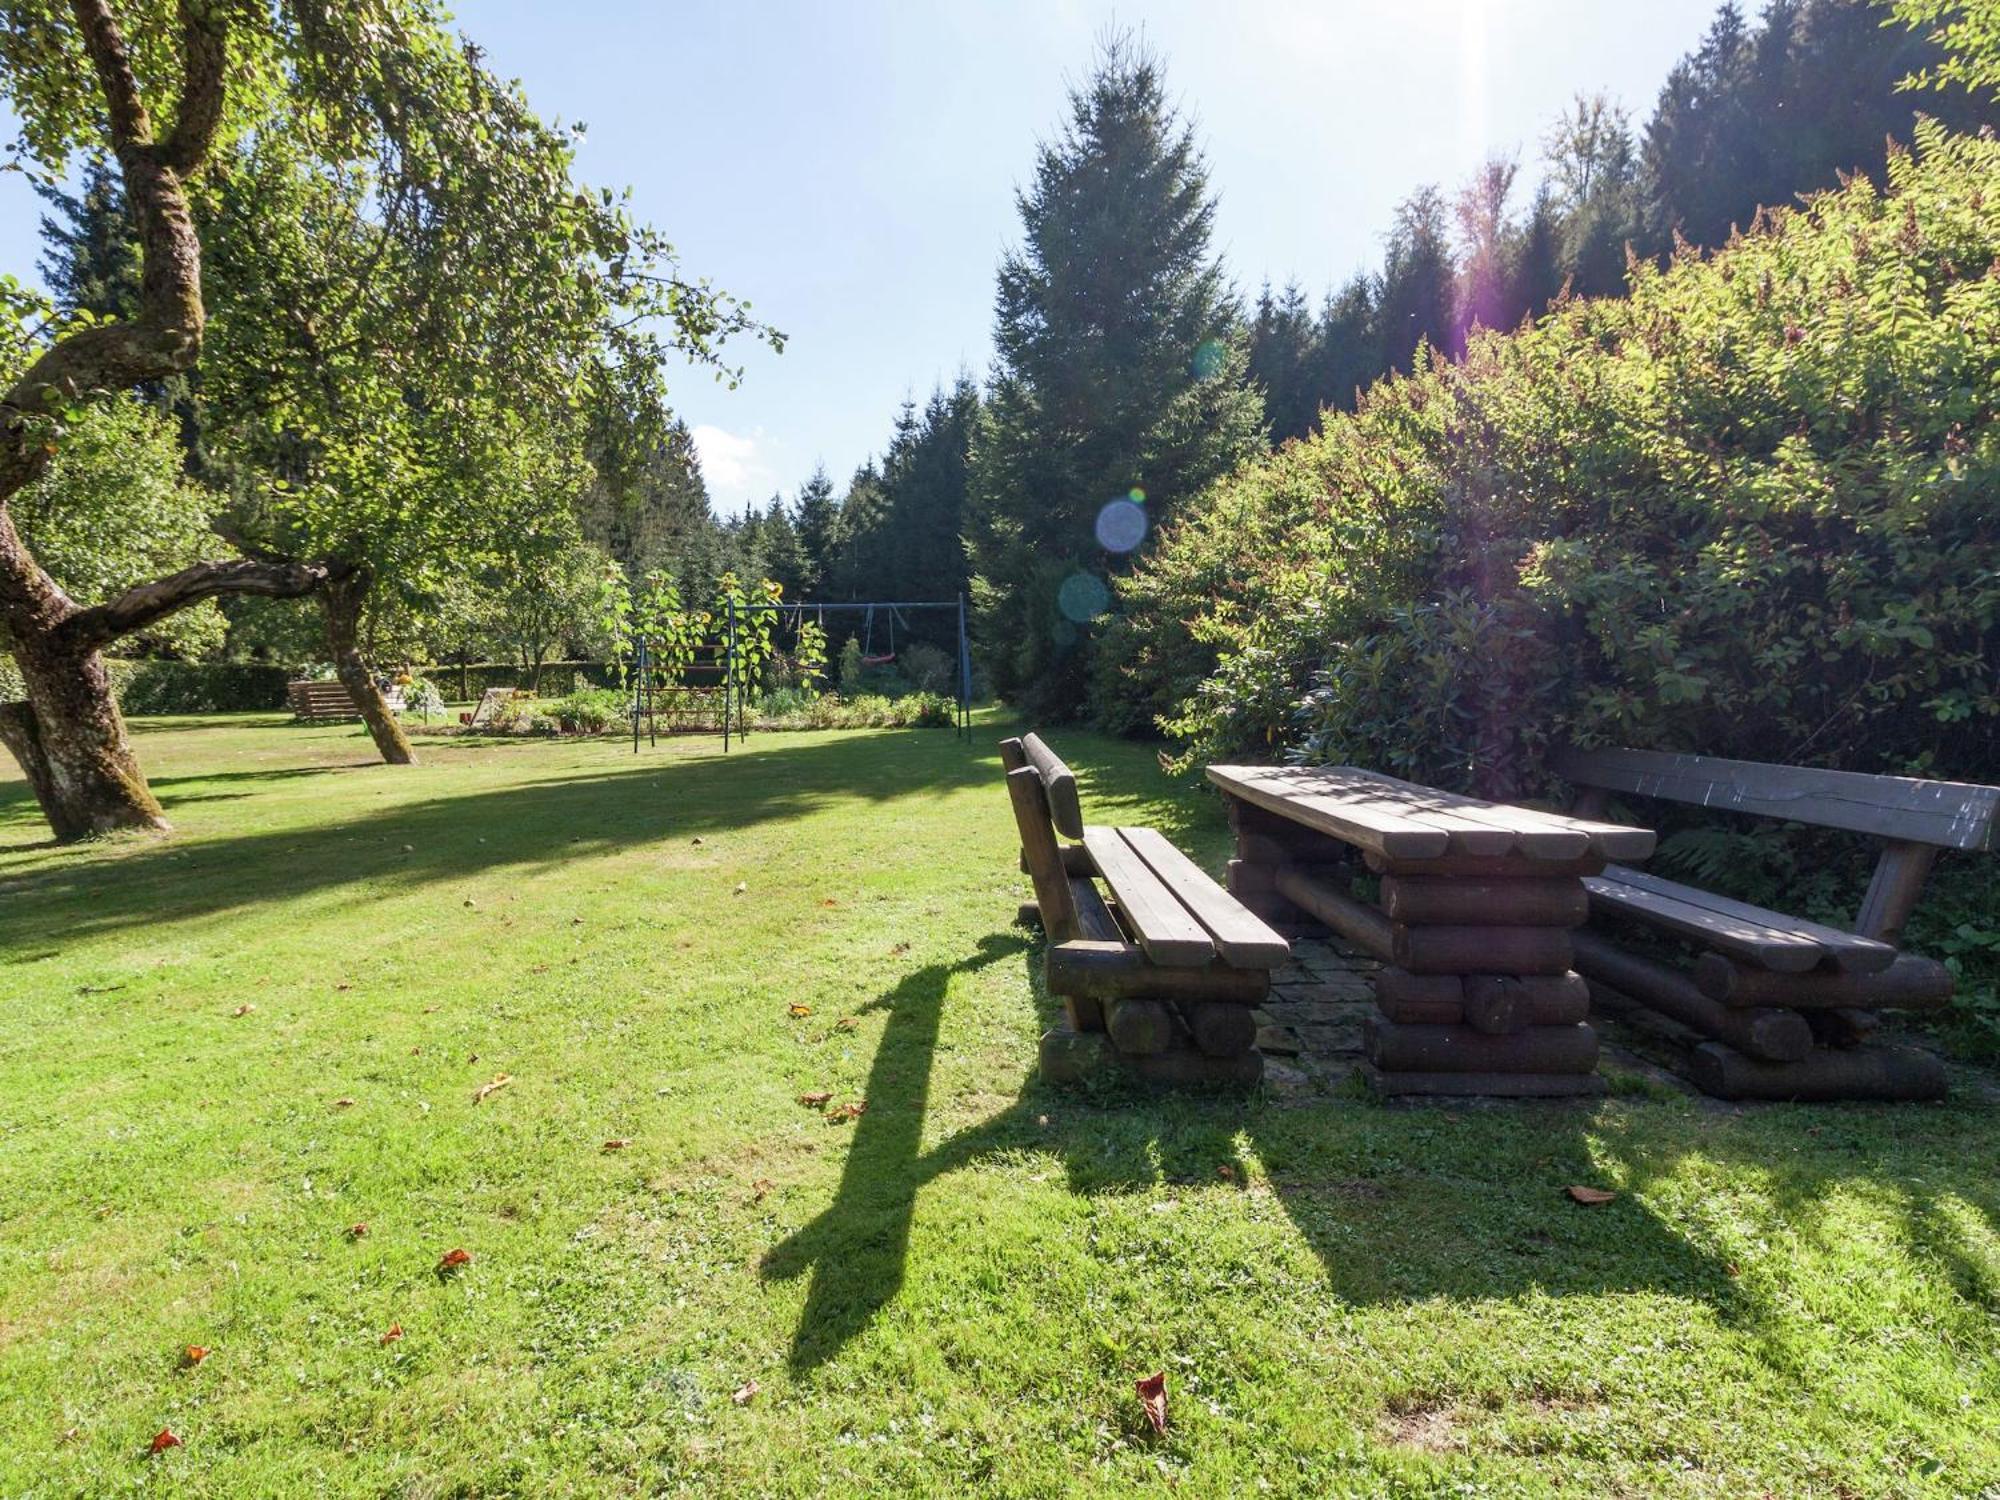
point(954, 1291)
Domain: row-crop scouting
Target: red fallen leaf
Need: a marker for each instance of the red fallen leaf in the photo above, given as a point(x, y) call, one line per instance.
point(194, 1354)
point(1153, 1397)
point(745, 1393)
point(163, 1440)
point(797, 1011)
point(453, 1259)
point(814, 1101)
point(1589, 1197)
point(343, 1103)
point(619, 1144)
point(356, 1231)
point(829, 901)
point(395, 1332)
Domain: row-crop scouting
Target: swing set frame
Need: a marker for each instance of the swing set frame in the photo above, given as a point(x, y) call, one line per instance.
point(734, 710)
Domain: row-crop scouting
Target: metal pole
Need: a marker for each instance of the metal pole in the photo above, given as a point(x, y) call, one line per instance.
point(728, 674)
point(964, 673)
point(638, 687)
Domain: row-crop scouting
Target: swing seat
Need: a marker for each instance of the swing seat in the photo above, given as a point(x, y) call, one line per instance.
point(878, 661)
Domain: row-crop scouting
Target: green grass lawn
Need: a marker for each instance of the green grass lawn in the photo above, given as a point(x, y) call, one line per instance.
point(222, 1051)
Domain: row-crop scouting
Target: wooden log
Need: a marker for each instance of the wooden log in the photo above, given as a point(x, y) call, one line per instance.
point(1296, 844)
point(1187, 1067)
point(1493, 1085)
point(1504, 867)
point(1398, 1048)
point(1910, 983)
point(1481, 950)
point(1843, 1026)
point(1363, 926)
point(1245, 878)
point(1031, 818)
point(1431, 900)
point(1058, 783)
point(1823, 1074)
point(1219, 1028)
point(1120, 971)
point(1769, 1034)
point(1420, 999)
point(1139, 1027)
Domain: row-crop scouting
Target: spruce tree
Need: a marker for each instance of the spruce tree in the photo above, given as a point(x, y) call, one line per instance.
point(817, 518)
point(1283, 350)
point(1121, 376)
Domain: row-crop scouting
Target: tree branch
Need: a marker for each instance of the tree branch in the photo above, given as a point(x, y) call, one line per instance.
point(138, 607)
point(204, 61)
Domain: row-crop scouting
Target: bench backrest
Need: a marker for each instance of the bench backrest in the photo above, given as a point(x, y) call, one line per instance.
point(1943, 814)
point(1043, 791)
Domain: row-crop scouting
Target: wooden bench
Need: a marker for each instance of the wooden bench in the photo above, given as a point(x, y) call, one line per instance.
point(330, 699)
point(1783, 1005)
point(1162, 971)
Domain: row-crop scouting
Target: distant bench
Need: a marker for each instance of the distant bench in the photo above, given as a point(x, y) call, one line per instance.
point(1784, 1004)
point(1163, 976)
point(331, 700)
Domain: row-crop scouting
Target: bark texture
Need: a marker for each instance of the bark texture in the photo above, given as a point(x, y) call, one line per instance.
point(68, 735)
point(341, 600)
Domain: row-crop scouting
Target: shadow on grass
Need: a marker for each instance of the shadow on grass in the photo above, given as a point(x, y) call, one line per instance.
point(580, 814)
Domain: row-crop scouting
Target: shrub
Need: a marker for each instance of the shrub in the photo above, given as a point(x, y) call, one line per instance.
point(1748, 510)
point(591, 711)
point(928, 667)
point(195, 687)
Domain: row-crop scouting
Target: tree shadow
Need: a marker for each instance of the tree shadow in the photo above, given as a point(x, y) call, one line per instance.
point(584, 812)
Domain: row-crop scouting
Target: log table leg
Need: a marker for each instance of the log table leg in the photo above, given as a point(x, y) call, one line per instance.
point(1479, 997)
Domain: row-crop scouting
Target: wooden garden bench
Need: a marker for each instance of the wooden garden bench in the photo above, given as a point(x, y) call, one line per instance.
point(1165, 962)
point(331, 700)
point(1784, 1003)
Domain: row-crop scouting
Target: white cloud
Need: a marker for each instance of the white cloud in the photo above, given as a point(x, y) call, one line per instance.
point(733, 464)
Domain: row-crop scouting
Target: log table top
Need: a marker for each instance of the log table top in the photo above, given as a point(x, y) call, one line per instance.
point(1401, 820)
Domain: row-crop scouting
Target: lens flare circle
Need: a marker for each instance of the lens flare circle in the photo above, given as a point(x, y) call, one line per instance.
point(1083, 597)
point(1121, 525)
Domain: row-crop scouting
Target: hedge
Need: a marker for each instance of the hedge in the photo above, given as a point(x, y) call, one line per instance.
point(558, 679)
point(181, 687)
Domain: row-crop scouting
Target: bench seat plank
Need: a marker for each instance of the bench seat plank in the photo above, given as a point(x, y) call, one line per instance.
point(1752, 941)
point(1862, 955)
point(1164, 928)
point(1241, 937)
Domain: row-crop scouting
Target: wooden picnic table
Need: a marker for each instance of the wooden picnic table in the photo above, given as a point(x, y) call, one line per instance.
point(1472, 917)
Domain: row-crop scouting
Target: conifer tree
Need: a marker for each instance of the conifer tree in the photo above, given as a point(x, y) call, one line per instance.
point(1121, 374)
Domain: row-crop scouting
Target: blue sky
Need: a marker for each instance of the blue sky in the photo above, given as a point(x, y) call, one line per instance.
point(851, 167)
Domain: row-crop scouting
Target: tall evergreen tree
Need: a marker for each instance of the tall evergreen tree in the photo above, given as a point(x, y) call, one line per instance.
point(1593, 172)
point(1350, 341)
point(1414, 304)
point(1121, 373)
point(1284, 350)
point(817, 518)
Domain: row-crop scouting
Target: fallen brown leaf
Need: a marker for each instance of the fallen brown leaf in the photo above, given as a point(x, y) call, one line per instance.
point(844, 1112)
point(760, 1187)
point(343, 1102)
point(829, 901)
point(194, 1354)
point(1590, 1197)
point(243, 1010)
point(815, 1101)
point(846, 1023)
point(452, 1260)
point(492, 1086)
point(619, 1144)
point(797, 1011)
point(1226, 1172)
point(1152, 1391)
point(745, 1393)
point(163, 1440)
point(357, 1231)
point(395, 1331)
